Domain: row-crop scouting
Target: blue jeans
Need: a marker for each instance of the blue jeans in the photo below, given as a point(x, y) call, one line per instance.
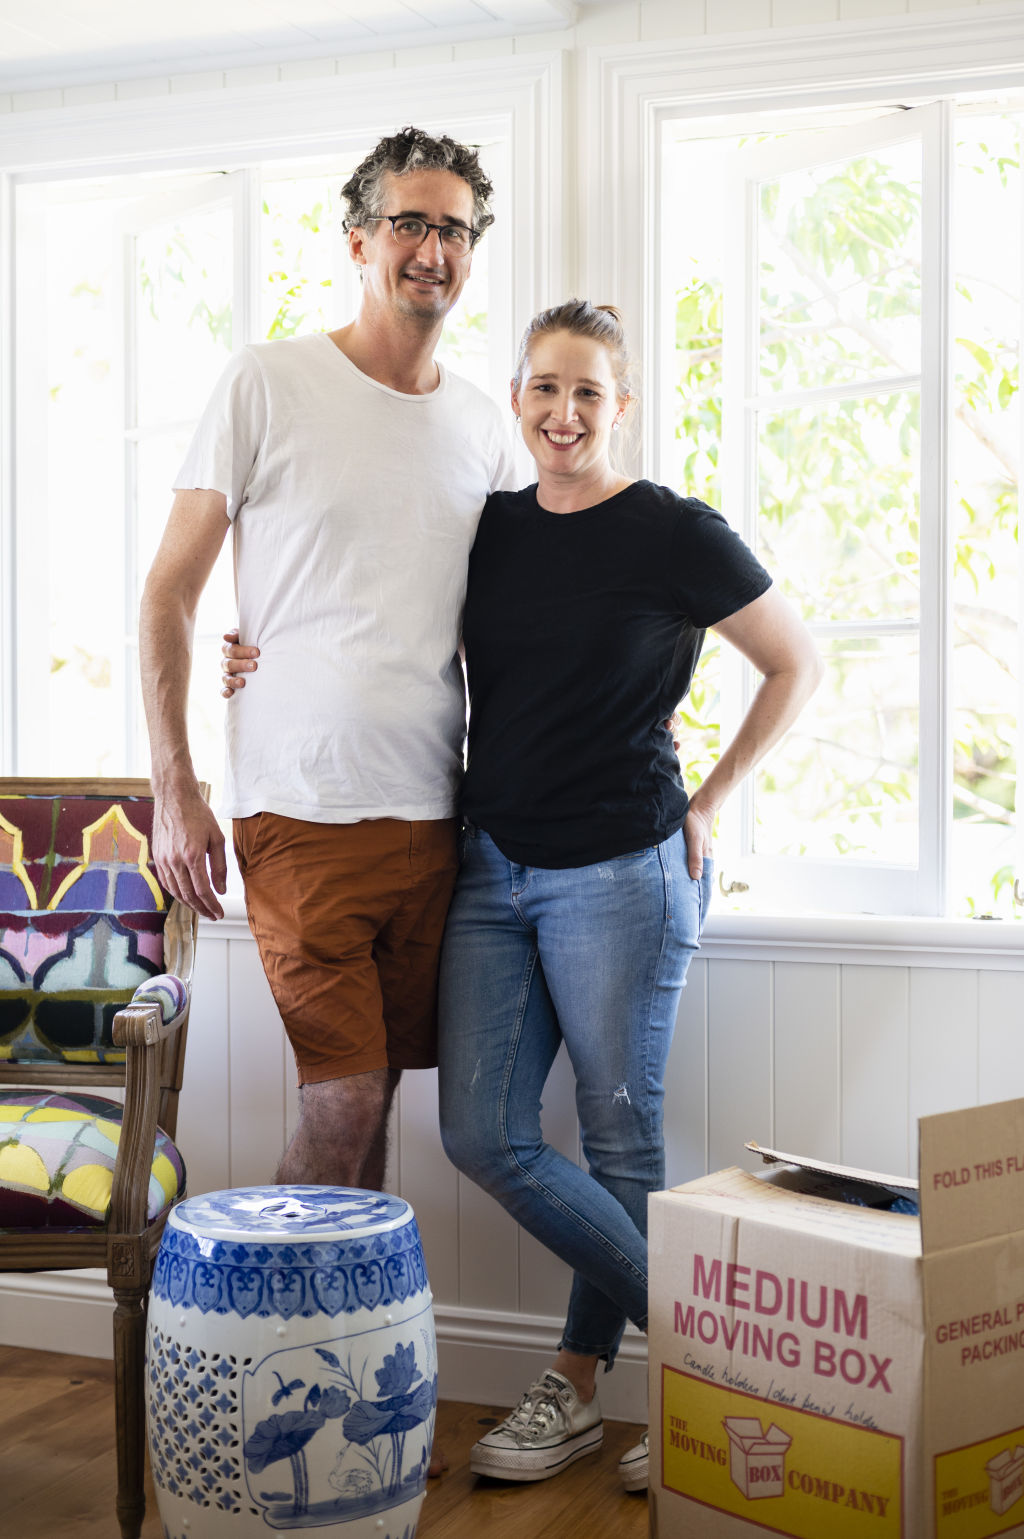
point(594, 956)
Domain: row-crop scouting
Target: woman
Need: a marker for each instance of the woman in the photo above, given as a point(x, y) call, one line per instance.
point(585, 868)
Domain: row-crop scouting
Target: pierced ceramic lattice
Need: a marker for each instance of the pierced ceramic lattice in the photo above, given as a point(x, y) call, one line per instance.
point(195, 1417)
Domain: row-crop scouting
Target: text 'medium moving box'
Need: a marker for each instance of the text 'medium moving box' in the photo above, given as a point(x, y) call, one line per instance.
point(831, 1371)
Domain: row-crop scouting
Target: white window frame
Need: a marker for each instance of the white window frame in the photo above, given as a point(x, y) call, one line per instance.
point(631, 93)
point(518, 101)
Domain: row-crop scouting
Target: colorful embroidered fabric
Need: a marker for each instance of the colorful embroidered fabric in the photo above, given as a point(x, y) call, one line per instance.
point(57, 1157)
point(167, 991)
point(81, 923)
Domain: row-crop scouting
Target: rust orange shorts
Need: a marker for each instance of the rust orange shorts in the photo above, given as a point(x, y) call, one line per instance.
point(348, 918)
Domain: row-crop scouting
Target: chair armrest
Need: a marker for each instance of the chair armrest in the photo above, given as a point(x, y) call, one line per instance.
point(142, 1025)
point(141, 1029)
point(159, 1006)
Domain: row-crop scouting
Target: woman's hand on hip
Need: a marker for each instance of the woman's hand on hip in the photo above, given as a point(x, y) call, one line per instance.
point(697, 831)
point(237, 662)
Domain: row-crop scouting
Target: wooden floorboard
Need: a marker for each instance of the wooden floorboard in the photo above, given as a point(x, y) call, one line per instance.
point(57, 1467)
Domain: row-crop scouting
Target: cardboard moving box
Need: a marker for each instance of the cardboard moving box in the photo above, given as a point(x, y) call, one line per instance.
point(832, 1371)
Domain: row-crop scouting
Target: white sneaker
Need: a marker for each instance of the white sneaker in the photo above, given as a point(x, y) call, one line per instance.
point(633, 1467)
point(548, 1430)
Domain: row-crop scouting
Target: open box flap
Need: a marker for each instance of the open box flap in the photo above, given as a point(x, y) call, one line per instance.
point(844, 1183)
point(972, 1175)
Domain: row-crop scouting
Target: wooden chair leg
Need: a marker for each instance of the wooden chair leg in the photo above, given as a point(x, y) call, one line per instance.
point(129, 1371)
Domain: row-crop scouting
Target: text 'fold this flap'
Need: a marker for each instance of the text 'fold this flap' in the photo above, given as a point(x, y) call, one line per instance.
point(971, 1175)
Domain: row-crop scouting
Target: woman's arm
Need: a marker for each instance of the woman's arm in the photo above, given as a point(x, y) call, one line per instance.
point(770, 635)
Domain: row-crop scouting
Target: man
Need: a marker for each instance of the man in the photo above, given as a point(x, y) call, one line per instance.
point(351, 469)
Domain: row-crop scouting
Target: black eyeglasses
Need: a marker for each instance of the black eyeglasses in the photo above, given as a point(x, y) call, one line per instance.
point(456, 239)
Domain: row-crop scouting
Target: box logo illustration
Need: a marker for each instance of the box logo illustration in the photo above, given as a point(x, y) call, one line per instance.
point(757, 1459)
point(1006, 1479)
point(979, 1489)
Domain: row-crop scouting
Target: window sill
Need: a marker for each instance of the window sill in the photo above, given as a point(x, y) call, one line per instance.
point(866, 939)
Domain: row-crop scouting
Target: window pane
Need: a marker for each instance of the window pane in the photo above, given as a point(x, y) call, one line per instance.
point(838, 507)
point(183, 274)
point(844, 780)
point(301, 239)
point(839, 271)
point(691, 455)
point(77, 491)
point(693, 260)
point(71, 578)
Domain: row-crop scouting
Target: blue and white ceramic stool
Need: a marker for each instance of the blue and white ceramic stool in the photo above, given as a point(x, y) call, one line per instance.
point(291, 1367)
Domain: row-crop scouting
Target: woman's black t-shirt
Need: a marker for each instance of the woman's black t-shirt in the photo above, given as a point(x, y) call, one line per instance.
point(582, 631)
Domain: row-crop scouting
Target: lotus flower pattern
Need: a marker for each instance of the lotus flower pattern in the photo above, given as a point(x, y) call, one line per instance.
point(377, 1428)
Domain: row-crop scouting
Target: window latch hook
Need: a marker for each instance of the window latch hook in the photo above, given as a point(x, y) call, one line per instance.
point(731, 887)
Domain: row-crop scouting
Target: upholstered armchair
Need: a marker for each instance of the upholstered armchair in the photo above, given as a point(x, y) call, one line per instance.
point(95, 970)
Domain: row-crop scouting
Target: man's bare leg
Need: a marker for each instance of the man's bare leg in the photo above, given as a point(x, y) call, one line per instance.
point(341, 1139)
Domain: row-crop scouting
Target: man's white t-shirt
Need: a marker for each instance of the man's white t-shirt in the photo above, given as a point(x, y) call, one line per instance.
point(354, 509)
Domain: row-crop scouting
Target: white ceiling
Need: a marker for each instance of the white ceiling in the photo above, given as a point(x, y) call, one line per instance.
point(45, 43)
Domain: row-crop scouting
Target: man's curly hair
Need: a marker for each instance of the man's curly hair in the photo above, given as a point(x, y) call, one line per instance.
point(413, 150)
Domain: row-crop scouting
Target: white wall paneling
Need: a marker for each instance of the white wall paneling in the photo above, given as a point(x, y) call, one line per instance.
point(739, 1060)
point(943, 1023)
point(488, 1261)
point(1000, 1036)
point(686, 1083)
point(806, 1059)
point(875, 1087)
point(204, 1113)
point(58, 1312)
point(259, 1071)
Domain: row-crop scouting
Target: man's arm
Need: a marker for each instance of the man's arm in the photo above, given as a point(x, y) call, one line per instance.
point(188, 846)
point(770, 635)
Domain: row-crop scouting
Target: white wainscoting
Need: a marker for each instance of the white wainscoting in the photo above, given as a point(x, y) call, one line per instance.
point(836, 1057)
